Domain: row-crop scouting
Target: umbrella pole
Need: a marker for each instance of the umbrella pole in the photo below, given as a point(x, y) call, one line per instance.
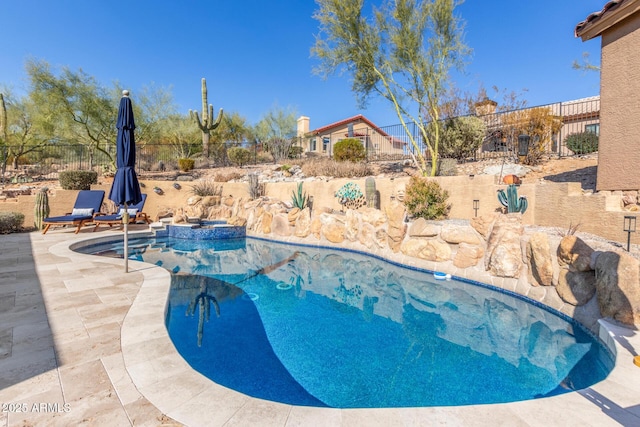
point(125, 221)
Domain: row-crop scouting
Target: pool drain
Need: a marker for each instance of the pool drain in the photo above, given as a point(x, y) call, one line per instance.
point(251, 296)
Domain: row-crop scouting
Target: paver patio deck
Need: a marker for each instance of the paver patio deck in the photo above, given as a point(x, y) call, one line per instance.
point(83, 343)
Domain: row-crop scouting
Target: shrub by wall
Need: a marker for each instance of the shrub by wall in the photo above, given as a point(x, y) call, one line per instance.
point(77, 180)
point(239, 156)
point(424, 198)
point(582, 142)
point(11, 222)
point(350, 149)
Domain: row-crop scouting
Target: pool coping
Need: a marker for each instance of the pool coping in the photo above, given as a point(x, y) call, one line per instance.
point(163, 377)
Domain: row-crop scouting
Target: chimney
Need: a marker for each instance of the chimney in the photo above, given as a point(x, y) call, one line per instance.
point(485, 107)
point(303, 125)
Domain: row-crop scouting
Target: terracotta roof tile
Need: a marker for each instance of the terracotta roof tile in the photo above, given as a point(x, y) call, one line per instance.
point(611, 5)
point(357, 118)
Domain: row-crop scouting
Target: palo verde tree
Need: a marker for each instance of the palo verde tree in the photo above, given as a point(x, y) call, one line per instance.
point(24, 132)
point(277, 132)
point(404, 54)
point(74, 107)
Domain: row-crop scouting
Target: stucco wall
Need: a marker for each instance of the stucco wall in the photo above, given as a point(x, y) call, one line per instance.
point(550, 204)
point(619, 147)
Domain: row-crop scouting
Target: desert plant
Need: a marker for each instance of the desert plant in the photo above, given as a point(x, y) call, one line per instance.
point(349, 149)
point(186, 165)
point(424, 198)
point(295, 152)
point(239, 156)
point(570, 231)
point(256, 188)
point(208, 122)
point(77, 180)
point(323, 166)
point(299, 198)
point(206, 187)
point(511, 201)
point(582, 142)
point(10, 222)
point(461, 137)
point(41, 210)
point(371, 192)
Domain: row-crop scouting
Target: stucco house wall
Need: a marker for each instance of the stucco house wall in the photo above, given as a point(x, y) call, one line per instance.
point(618, 24)
point(322, 140)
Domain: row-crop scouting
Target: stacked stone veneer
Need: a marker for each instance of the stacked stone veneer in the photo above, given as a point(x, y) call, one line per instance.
point(581, 278)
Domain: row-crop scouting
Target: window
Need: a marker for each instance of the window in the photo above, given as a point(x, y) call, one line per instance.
point(325, 143)
point(594, 128)
point(312, 144)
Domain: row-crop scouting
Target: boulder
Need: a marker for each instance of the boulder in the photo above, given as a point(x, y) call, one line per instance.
point(422, 228)
point(428, 249)
point(303, 223)
point(504, 256)
point(482, 224)
point(368, 236)
point(539, 260)
point(211, 200)
point(280, 225)
point(267, 220)
point(575, 252)
point(456, 234)
point(372, 216)
point(193, 200)
point(467, 255)
point(576, 287)
point(237, 221)
point(397, 228)
point(316, 227)
point(617, 278)
point(352, 225)
point(293, 215)
point(334, 232)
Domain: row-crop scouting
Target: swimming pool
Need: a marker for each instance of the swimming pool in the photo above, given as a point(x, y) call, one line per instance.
point(324, 327)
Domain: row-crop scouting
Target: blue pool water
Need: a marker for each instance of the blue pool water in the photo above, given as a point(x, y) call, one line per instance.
point(324, 327)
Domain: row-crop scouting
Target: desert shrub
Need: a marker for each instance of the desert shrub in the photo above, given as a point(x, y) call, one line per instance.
point(582, 142)
point(425, 198)
point(446, 167)
point(239, 156)
point(264, 157)
point(206, 187)
point(461, 137)
point(350, 149)
point(323, 166)
point(77, 180)
point(11, 222)
point(295, 152)
point(186, 165)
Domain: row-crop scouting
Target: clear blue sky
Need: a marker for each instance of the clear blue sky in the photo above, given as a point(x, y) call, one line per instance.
point(255, 54)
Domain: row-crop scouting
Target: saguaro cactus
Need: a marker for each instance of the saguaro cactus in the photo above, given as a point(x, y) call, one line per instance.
point(371, 193)
point(208, 123)
point(511, 201)
point(41, 210)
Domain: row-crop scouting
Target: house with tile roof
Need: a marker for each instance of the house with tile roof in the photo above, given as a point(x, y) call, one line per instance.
point(378, 143)
point(618, 26)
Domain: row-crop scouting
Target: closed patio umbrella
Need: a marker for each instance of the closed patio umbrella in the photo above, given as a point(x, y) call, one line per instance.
point(125, 189)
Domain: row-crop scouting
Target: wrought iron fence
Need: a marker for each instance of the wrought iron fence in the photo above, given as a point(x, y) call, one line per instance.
point(394, 142)
point(549, 126)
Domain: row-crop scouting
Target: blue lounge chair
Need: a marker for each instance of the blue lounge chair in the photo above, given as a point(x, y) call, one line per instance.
point(135, 215)
point(88, 203)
